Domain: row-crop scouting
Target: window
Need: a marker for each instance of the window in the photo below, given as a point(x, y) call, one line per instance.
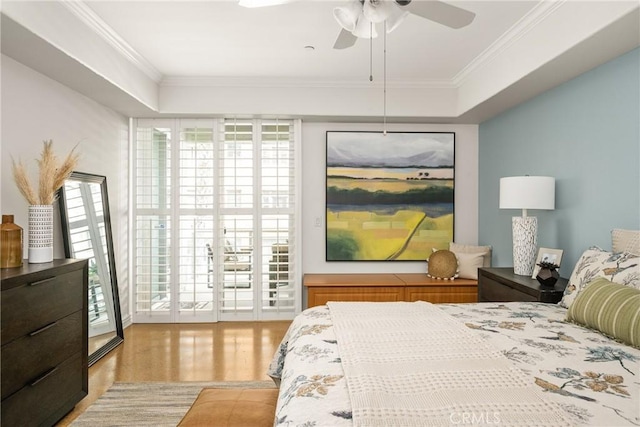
point(215, 220)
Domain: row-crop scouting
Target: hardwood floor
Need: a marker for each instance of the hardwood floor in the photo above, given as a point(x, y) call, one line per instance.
point(223, 351)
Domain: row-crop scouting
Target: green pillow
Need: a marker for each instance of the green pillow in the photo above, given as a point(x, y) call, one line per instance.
point(611, 308)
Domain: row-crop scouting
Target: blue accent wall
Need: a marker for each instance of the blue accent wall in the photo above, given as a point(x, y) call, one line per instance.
point(586, 134)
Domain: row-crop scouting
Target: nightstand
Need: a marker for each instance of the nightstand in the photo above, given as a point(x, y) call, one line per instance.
point(501, 284)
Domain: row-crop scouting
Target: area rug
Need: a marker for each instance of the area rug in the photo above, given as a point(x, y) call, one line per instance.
point(150, 403)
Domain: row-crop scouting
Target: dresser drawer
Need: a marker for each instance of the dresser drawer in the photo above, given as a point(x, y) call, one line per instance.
point(493, 290)
point(28, 357)
point(36, 304)
point(42, 402)
point(502, 293)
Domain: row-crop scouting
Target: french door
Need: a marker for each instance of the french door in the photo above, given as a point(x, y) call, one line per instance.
point(215, 220)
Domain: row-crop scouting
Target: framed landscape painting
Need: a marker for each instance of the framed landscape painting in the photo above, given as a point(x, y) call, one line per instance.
point(389, 197)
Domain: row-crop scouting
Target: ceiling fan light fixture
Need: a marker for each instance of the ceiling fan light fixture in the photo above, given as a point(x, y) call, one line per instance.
point(347, 16)
point(395, 18)
point(364, 28)
point(377, 10)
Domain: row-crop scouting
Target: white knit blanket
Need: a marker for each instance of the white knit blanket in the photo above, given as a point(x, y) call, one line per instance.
point(411, 364)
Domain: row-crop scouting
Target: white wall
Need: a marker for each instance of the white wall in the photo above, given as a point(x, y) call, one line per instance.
point(36, 108)
point(313, 194)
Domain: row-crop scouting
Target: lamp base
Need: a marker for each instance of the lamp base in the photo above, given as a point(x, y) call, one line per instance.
point(525, 240)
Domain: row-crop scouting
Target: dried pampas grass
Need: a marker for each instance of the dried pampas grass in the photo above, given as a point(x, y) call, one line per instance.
point(52, 175)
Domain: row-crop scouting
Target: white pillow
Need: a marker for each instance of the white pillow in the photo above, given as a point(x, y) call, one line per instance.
point(620, 267)
point(468, 264)
point(457, 248)
point(625, 241)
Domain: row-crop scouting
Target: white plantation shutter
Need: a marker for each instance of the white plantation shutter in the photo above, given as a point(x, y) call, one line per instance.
point(195, 215)
point(277, 203)
point(152, 220)
point(215, 220)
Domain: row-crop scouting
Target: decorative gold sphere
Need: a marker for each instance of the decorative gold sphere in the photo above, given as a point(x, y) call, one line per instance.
point(442, 264)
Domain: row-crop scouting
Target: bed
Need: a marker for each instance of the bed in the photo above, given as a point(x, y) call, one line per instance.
point(568, 373)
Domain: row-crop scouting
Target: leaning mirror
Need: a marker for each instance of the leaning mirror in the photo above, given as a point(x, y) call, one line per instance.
point(86, 229)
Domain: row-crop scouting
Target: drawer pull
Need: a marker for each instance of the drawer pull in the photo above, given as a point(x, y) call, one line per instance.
point(43, 376)
point(44, 328)
point(41, 282)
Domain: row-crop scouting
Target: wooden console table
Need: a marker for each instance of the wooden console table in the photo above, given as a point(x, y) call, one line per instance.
point(322, 288)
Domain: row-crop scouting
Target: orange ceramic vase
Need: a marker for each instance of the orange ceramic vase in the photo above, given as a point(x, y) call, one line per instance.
point(10, 243)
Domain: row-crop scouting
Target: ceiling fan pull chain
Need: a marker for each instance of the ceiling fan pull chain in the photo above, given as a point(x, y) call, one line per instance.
point(371, 51)
point(384, 81)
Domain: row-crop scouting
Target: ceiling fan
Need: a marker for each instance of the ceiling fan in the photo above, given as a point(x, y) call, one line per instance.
point(359, 17)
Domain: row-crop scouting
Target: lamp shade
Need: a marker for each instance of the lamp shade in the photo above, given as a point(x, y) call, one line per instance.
point(395, 17)
point(377, 11)
point(365, 28)
point(347, 16)
point(528, 192)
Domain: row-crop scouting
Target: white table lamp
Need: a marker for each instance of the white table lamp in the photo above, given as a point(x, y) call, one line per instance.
point(526, 192)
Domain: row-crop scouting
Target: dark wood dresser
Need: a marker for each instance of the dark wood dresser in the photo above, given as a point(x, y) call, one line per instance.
point(44, 341)
point(501, 284)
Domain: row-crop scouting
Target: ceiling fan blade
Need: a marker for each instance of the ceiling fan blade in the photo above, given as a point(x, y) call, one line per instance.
point(345, 39)
point(442, 13)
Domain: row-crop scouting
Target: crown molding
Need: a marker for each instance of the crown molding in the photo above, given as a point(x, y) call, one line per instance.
point(534, 17)
point(84, 13)
point(93, 21)
point(285, 82)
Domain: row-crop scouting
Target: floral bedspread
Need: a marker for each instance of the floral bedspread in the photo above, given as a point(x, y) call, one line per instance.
point(595, 379)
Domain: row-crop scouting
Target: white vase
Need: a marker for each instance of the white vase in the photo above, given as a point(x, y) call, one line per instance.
point(40, 233)
point(525, 242)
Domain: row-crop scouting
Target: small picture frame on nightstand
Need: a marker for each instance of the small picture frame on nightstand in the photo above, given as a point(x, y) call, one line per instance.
point(546, 255)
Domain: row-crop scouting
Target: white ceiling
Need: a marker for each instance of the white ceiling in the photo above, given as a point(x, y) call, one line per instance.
point(213, 57)
point(223, 39)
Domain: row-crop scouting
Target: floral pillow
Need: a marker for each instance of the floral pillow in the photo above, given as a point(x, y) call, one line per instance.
point(620, 267)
